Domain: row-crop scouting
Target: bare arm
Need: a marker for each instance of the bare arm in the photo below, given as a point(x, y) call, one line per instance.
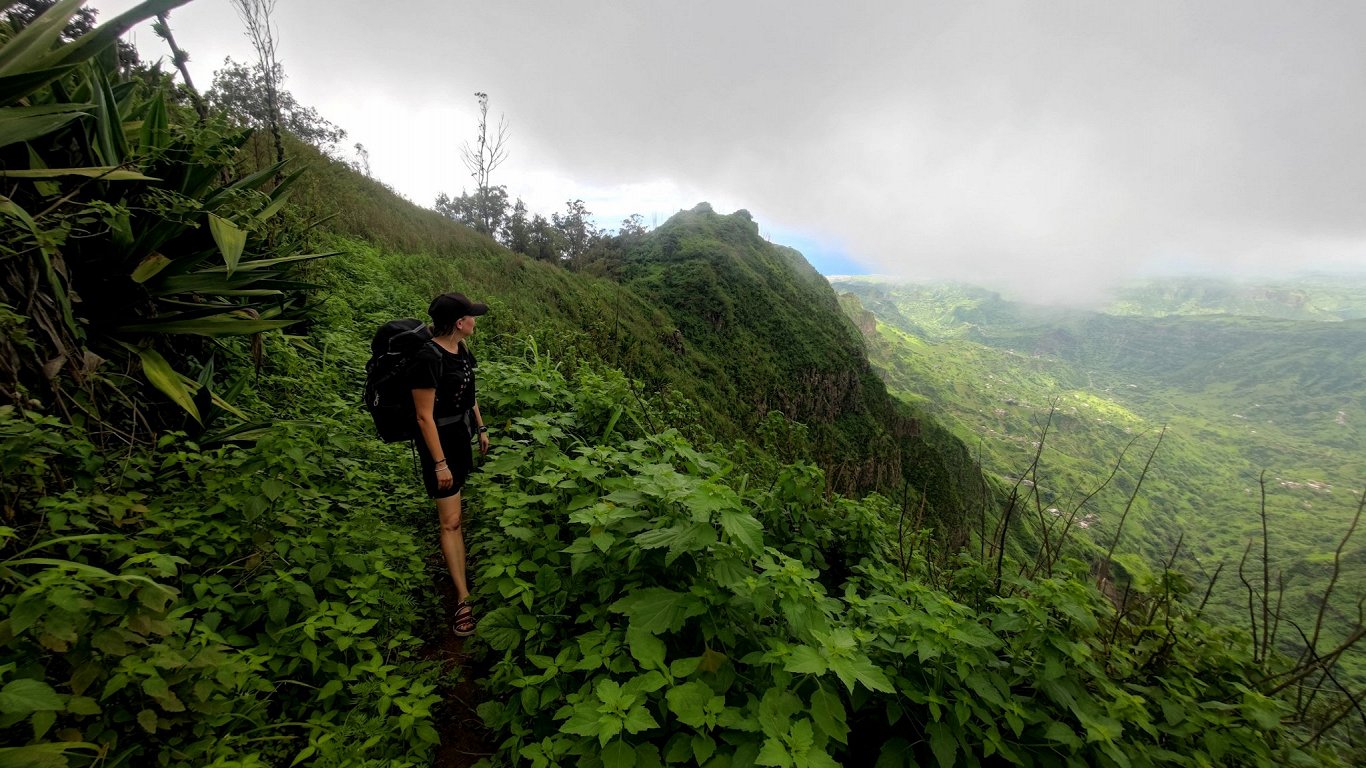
point(479, 426)
point(424, 400)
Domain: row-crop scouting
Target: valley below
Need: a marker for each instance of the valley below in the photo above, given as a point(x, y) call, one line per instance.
point(1256, 392)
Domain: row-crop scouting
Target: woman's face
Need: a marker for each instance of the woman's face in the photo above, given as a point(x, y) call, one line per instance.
point(466, 324)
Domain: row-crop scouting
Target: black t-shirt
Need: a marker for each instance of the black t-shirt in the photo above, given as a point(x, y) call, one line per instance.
point(451, 375)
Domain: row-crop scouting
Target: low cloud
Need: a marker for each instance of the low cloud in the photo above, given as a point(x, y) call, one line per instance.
point(1052, 147)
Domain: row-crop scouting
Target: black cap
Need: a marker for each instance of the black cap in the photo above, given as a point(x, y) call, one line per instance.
point(453, 306)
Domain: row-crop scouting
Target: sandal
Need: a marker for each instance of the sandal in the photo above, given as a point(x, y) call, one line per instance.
point(464, 619)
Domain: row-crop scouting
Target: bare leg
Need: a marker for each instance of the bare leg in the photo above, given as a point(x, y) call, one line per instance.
point(453, 542)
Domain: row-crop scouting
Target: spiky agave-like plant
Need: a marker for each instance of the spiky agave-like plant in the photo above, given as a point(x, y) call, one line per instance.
point(127, 231)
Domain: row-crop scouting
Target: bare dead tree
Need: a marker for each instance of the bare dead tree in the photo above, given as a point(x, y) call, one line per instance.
point(483, 157)
point(1266, 572)
point(1119, 529)
point(256, 16)
point(1251, 602)
point(1069, 523)
point(1337, 571)
point(1014, 499)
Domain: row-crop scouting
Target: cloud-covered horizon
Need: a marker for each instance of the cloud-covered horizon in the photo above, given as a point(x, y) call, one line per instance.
point(1052, 147)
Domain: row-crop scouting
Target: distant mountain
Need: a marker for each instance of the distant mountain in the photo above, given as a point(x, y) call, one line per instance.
point(1312, 297)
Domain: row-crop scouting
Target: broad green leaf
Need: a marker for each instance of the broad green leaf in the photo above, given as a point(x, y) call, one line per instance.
point(806, 660)
point(245, 184)
point(48, 755)
point(639, 719)
point(688, 702)
point(1265, 713)
point(609, 691)
point(703, 747)
point(148, 720)
point(213, 325)
point(943, 743)
point(680, 539)
point(710, 660)
point(273, 488)
point(776, 710)
point(657, 609)
point(23, 696)
point(774, 753)
point(280, 195)
point(582, 722)
point(230, 239)
point(1099, 727)
point(679, 748)
point(646, 649)
point(217, 401)
point(30, 48)
point(207, 281)
point(860, 669)
point(618, 754)
point(828, 711)
point(1062, 734)
point(686, 667)
point(872, 678)
point(164, 378)
point(110, 144)
point(82, 705)
point(24, 123)
point(103, 173)
point(743, 529)
point(45, 188)
point(17, 86)
point(42, 722)
point(155, 135)
point(11, 208)
point(151, 265)
point(250, 264)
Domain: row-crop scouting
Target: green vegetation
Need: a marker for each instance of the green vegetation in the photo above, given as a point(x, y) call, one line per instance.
point(687, 545)
point(766, 334)
point(662, 603)
point(1237, 395)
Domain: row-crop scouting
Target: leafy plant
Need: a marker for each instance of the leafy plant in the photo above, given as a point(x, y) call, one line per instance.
point(129, 233)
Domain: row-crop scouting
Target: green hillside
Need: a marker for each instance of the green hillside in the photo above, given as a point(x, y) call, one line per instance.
point(743, 332)
point(1237, 395)
point(1308, 297)
point(704, 534)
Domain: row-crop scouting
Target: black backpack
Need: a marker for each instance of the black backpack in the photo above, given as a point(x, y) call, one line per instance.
point(388, 396)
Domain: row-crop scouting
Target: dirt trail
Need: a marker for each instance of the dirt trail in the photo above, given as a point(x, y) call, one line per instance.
point(463, 738)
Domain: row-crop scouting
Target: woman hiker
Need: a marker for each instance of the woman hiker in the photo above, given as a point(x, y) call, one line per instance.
point(444, 397)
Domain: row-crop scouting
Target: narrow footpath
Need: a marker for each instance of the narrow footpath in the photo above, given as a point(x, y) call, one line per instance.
point(464, 741)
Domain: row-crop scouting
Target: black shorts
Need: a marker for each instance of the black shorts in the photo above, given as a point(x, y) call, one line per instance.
point(455, 445)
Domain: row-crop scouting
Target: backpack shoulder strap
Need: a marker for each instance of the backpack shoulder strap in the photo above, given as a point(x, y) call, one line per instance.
point(440, 358)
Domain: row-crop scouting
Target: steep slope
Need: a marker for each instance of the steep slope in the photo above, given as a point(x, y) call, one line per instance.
point(737, 330)
point(770, 337)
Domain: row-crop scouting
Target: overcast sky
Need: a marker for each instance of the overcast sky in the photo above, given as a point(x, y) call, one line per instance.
point(1054, 147)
